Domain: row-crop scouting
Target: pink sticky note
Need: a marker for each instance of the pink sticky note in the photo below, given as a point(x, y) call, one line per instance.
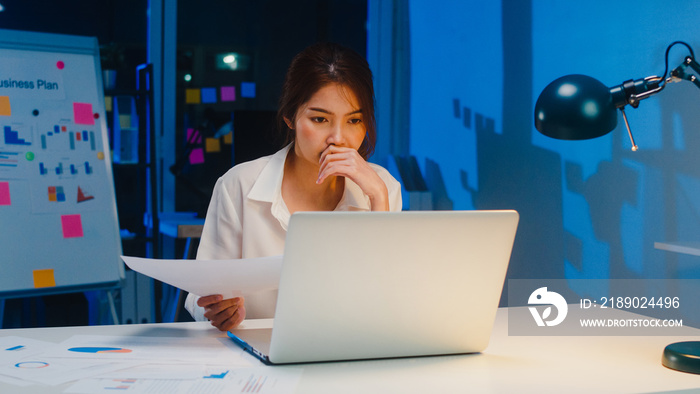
point(228, 93)
point(72, 226)
point(5, 193)
point(82, 113)
point(197, 156)
point(197, 138)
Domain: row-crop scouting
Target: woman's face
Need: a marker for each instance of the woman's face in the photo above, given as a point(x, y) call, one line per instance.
point(331, 117)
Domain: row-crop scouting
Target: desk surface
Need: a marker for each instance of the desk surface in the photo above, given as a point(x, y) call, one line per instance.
point(181, 224)
point(509, 364)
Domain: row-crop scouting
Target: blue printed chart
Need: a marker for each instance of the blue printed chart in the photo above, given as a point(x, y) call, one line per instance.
point(31, 364)
point(14, 349)
point(61, 138)
point(12, 137)
point(99, 349)
point(15, 146)
point(160, 349)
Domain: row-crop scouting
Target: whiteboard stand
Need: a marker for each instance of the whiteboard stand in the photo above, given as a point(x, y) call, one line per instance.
point(112, 307)
point(110, 301)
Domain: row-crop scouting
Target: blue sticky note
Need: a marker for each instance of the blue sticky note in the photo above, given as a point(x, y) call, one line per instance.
point(248, 89)
point(208, 95)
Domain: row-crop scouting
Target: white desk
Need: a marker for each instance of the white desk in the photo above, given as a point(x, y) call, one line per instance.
point(509, 364)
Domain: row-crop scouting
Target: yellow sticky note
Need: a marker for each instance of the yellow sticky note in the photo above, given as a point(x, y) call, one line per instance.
point(212, 145)
point(228, 139)
point(44, 278)
point(193, 96)
point(125, 121)
point(5, 109)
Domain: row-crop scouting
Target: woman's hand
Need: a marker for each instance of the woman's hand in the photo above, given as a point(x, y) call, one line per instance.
point(223, 314)
point(347, 162)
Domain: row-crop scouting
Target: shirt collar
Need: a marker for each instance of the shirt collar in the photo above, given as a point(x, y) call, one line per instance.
point(269, 182)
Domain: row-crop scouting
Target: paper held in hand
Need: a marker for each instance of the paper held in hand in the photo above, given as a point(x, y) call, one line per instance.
point(229, 278)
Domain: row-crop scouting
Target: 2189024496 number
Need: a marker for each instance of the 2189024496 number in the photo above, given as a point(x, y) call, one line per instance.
point(640, 302)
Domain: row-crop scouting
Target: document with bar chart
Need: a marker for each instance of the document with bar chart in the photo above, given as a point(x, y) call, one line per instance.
point(57, 204)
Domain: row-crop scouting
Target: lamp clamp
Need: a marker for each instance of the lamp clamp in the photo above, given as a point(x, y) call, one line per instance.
point(679, 73)
point(652, 81)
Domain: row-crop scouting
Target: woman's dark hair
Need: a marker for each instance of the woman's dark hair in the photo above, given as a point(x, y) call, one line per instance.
point(317, 66)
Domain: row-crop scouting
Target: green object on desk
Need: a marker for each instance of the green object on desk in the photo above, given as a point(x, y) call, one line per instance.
point(682, 356)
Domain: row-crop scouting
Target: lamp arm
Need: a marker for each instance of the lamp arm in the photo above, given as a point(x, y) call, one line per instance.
point(692, 63)
point(679, 72)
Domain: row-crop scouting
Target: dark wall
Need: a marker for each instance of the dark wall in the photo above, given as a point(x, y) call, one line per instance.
point(108, 20)
point(269, 32)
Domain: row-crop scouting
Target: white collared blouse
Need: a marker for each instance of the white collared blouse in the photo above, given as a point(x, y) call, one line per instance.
point(248, 218)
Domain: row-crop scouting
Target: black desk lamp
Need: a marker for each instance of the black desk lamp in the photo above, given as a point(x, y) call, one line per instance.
point(578, 107)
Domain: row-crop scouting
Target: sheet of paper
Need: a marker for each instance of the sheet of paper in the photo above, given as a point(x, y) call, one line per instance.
point(15, 381)
point(263, 380)
point(157, 371)
point(53, 372)
point(133, 362)
point(229, 278)
point(14, 349)
point(150, 349)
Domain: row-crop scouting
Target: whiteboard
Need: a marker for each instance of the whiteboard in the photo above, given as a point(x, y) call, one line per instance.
point(59, 230)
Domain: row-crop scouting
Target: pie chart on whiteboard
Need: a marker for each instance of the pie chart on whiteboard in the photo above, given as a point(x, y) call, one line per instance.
point(99, 350)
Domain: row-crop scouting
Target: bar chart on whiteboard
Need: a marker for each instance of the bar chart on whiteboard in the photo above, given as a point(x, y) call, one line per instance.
point(59, 149)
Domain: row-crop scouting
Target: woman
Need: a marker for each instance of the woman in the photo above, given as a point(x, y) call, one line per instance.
point(327, 107)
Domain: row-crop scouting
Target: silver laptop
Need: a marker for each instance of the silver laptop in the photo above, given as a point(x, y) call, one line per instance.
point(380, 285)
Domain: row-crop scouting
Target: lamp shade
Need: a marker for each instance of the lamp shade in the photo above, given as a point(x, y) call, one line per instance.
point(575, 107)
